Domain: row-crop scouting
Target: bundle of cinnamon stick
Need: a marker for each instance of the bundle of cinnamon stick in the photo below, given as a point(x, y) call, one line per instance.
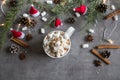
point(96, 53)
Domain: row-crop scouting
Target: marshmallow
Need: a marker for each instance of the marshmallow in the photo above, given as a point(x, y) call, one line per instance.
point(110, 41)
point(50, 35)
point(57, 43)
point(56, 35)
point(44, 19)
point(43, 13)
point(49, 2)
point(91, 31)
point(115, 18)
point(58, 55)
point(112, 7)
point(77, 14)
point(85, 46)
point(47, 47)
point(42, 30)
point(24, 28)
point(11, 29)
point(45, 42)
point(25, 15)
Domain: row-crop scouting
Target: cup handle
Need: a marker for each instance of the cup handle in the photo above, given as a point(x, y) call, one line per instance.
point(70, 31)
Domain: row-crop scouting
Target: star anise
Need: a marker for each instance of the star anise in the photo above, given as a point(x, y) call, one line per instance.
point(105, 54)
point(89, 38)
point(97, 63)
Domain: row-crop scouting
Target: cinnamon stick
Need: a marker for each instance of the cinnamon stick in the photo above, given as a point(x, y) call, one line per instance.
point(96, 53)
point(108, 47)
point(114, 13)
point(20, 42)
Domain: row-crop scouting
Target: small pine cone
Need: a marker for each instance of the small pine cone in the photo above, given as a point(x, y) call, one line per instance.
point(13, 3)
point(101, 8)
point(14, 49)
point(57, 1)
point(24, 21)
point(71, 20)
point(105, 54)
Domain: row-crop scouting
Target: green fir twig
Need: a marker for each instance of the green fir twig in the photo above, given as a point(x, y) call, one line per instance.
point(10, 17)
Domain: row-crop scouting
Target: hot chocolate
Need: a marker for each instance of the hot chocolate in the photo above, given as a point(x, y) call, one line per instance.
point(57, 44)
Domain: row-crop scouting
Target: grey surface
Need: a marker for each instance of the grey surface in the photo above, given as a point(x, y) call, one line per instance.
point(77, 65)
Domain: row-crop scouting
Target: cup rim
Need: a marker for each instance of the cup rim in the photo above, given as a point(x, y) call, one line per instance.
point(51, 55)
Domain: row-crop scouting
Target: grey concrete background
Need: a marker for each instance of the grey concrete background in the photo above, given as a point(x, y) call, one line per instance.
point(77, 65)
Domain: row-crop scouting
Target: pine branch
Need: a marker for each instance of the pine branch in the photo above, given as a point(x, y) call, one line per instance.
point(10, 17)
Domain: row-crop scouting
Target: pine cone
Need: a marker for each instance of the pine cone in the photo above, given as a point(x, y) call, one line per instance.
point(14, 49)
point(89, 38)
point(13, 3)
point(97, 63)
point(105, 54)
point(57, 1)
point(101, 8)
point(24, 21)
point(70, 20)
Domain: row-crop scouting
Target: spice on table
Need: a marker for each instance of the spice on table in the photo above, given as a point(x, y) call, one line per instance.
point(96, 53)
point(28, 37)
point(20, 42)
point(114, 13)
point(71, 20)
point(106, 46)
point(97, 63)
point(101, 8)
point(22, 56)
point(89, 38)
point(14, 49)
point(105, 54)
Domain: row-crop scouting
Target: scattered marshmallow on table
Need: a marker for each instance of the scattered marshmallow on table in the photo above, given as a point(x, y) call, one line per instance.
point(24, 28)
point(42, 30)
point(112, 7)
point(49, 2)
point(110, 41)
point(85, 45)
point(44, 19)
point(77, 14)
point(91, 31)
point(115, 18)
point(43, 13)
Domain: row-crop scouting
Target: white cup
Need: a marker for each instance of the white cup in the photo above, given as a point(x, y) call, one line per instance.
point(67, 36)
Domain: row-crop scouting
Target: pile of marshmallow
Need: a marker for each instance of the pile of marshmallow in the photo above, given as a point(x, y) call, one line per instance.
point(57, 44)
